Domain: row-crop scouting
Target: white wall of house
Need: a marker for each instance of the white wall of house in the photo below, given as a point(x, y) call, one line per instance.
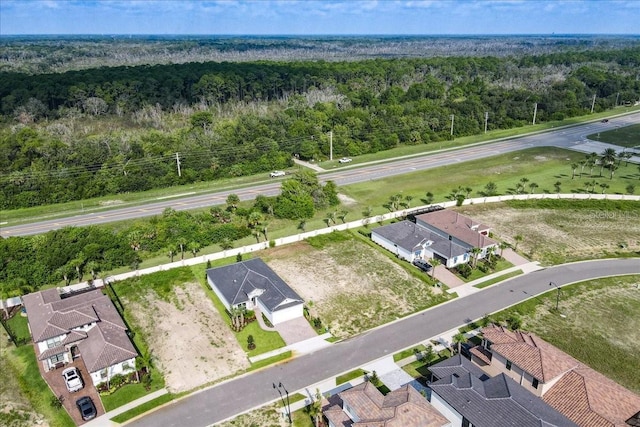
point(445, 409)
point(283, 315)
point(392, 247)
point(103, 375)
point(350, 412)
point(219, 294)
point(520, 376)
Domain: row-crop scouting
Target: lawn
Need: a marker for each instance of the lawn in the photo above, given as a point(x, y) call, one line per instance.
point(476, 273)
point(628, 136)
point(601, 327)
point(19, 326)
point(498, 279)
point(409, 352)
point(356, 373)
point(138, 410)
point(131, 392)
point(542, 166)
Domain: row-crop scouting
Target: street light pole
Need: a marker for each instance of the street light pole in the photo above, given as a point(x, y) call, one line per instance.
point(558, 295)
point(287, 406)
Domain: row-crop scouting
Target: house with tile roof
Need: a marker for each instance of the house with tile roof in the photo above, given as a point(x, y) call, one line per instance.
point(443, 234)
point(458, 228)
point(85, 325)
point(253, 285)
point(583, 395)
point(365, 406)
point(467, 396)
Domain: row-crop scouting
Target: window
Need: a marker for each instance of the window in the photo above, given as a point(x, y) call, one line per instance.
point(508, 365)
point(465, 422)
point(103, 374)
point(54, 342)
point(57, 358)
point(534, 383)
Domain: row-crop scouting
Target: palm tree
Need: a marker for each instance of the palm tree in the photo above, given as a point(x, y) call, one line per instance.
point(490, 189)
point(604, 186)
point(458, 339)
point(233, 201)
point(428, 198)
point(468, 190)
point(607, 157)
point(302, 225)
point(265, 229)
point(574, 167)
point(523, 183)
point(518, 238)
point(343, 214)
point(315, 408)
point(503, 246)
point(435, 262)
point(474, 253)
point(194, 247)
point(182, 244)
point(612, 169)
point(171, 252)
point(533, 186)
point(94, 268)
point(557, 186)
point(592, 159)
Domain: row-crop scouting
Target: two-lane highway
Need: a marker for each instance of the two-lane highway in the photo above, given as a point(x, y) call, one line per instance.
point(242, 394)
point(563, 138)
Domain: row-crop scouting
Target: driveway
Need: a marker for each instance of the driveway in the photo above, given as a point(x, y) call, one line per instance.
point(57, 385)
point(295, 330)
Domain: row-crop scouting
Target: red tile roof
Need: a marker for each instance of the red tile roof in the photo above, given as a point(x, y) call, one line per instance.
point(459, 226)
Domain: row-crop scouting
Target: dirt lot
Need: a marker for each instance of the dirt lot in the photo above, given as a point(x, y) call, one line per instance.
point(15, 409)
point(554, 236)
point(351, 286)
point(189, 340)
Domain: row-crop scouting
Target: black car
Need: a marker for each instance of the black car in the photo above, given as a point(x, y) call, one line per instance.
point(422, 264)
point(86, 407)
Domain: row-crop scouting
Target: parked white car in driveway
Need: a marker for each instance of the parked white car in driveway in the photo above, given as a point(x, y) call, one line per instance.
point(345, 160)
point(72, 379)
point(276, 174)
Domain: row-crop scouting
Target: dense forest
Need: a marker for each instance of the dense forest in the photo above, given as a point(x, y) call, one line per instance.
point(108, 130)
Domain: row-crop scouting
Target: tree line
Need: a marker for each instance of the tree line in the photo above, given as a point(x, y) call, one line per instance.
point(104, 131)
point(84, 253)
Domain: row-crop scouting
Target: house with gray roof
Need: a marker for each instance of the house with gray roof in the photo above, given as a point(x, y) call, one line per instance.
point(85, 325)
point(253, 285)
point(410, 241)
point(464, 394)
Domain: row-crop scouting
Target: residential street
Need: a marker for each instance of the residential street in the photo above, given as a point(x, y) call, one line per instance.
point(253, 390)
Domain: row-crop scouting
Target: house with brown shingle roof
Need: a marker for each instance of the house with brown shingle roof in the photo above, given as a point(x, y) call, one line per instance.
point(583, 395)
point(85, 325)
point(365, 406)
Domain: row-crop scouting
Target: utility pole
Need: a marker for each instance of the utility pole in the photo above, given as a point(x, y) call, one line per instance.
point(486, 120)
point(452, 117)
point(535, 111)
point(557, 296)
point(593, 103)
point(178, 163)
point(330, 145)
point(617, 96)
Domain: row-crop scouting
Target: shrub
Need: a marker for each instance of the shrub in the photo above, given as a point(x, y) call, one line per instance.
point(251, 343)
point(464, 270)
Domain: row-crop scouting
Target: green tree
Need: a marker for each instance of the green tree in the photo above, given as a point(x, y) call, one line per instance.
point(194, 248)
point(232, 202)
point(574, 167)
point(491, 189)
point(435, 262)
point(557, 186)
point(459, 339)
point(532, 187)
point(630, 189)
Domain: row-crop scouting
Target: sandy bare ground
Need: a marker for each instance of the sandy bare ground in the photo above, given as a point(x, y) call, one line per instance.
point(554, 236)
point(351, 286)
point(189, 340)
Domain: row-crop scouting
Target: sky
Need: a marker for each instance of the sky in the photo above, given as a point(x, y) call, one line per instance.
point(319, 17)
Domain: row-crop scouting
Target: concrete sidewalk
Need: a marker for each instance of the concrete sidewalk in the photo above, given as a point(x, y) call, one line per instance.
point(105, 420)
point(302, 347)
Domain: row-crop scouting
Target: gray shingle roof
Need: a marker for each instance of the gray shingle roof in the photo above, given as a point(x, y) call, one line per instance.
point(457, 365)
point(407, 235)
point(497, 401)
point(237, 281)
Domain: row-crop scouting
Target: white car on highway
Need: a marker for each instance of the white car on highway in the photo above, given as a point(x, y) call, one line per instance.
point(276, 174)
point(345, 160)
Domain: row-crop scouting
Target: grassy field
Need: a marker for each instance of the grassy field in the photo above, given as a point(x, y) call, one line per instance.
point(558, 231)
point(158, 401)
point(628, 136)
point(601, 327)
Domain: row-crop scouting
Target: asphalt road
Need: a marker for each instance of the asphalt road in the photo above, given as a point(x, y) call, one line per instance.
point(564, 138)
point(242, 394)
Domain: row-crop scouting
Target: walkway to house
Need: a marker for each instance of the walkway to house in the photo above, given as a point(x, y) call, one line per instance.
point(260, 320)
